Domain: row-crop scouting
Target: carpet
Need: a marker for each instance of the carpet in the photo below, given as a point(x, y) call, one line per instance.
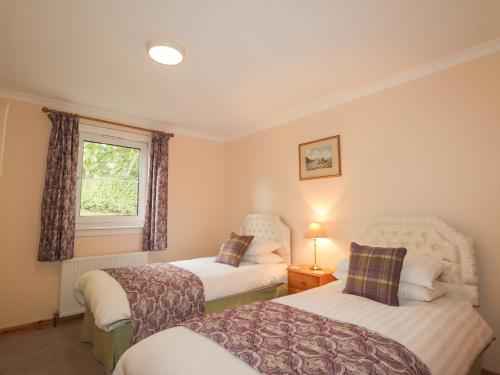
point(48, 351)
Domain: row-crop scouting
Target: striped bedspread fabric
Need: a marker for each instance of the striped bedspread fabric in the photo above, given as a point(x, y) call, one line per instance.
point(275, 338)
point(446, 334)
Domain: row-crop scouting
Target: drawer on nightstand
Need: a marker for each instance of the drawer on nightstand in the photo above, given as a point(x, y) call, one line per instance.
point(301, 281)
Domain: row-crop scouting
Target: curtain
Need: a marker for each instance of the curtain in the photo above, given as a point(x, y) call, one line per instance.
point(155, 222)
point(57, 234)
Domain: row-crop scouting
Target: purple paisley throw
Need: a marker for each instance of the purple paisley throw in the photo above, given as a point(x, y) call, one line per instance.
point(160, 295)
point(278, 339)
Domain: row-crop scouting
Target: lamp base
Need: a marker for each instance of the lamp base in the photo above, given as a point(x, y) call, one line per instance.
point(315, 267)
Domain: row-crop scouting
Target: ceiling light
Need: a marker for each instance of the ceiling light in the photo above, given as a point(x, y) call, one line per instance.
point(167, 53)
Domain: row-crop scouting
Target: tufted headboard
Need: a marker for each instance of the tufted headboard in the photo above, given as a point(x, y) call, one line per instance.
point(431, 236)
point(269, 227)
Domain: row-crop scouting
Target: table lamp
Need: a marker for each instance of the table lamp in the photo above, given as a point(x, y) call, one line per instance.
point(315, 231)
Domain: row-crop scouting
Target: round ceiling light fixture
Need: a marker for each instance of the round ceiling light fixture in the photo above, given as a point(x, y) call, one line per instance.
point(165, 52)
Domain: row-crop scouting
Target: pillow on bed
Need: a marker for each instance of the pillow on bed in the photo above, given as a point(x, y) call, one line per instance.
point(261, 246)
point(411, 291)
point(264, 258)
point(374, 273)
point(418, 269)
point(232, 251)
point(421, 293)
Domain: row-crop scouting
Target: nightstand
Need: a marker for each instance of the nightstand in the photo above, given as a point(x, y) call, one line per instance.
point(301, 278)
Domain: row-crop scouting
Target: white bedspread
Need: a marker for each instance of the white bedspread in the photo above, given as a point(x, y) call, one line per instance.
point(108, 302)
point(447, 334)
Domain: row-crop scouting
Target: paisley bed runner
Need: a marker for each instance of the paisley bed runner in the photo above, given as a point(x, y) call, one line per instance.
point(160, 295)
point(278, 339)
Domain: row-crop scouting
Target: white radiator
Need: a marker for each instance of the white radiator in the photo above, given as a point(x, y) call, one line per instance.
point(73, 268)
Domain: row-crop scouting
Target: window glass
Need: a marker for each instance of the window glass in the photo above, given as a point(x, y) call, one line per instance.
point(109, 180)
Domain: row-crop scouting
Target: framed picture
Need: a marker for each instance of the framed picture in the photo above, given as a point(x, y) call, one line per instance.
point(320, 158)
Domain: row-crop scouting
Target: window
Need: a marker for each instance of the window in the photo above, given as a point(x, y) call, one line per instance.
point(111, 185)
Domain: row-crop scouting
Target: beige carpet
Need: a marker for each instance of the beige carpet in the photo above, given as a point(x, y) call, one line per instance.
point(50, 351)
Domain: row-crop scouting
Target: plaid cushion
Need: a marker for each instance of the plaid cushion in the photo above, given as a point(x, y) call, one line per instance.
point(374, 273)
point(233, 250)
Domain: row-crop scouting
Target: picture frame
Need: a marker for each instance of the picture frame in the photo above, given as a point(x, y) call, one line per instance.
point(320, 158)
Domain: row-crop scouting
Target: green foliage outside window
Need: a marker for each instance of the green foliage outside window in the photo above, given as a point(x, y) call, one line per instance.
point(110, 180)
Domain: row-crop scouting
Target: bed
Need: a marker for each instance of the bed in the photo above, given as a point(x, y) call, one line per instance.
point(447, 334)
point(107, 319)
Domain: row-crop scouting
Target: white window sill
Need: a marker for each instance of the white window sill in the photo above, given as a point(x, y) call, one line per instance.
point(107, 231)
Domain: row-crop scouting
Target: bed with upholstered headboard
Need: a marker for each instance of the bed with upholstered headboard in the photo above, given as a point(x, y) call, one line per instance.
point(430, 236)
point(108, 323)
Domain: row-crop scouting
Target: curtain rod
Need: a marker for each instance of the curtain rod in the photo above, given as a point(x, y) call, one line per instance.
point(48, 110)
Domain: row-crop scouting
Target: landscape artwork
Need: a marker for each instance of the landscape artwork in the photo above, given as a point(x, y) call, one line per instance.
point(320, 158)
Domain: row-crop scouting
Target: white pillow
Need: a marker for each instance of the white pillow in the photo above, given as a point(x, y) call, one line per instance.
point(421, 293)
point(261, 246)
point(417, 269)
point(264, 258)
point(411, 291)
point(342, 266)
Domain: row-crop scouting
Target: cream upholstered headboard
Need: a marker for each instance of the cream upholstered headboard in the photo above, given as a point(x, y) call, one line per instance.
point(431, 236)
point(269, 227)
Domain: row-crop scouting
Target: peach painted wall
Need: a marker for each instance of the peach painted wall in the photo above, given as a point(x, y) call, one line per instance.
point(429, 147)
point(29, 290)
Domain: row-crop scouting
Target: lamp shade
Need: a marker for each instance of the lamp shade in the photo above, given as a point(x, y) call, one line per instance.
point(315, 230)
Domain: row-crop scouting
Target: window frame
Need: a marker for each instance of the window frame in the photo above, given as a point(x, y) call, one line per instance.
point(113, 224)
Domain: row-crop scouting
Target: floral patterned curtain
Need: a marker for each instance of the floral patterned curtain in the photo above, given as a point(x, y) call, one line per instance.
point(155, 223)
point(57, 233)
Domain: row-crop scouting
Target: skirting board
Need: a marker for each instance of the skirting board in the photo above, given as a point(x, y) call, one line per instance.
point(41, 324)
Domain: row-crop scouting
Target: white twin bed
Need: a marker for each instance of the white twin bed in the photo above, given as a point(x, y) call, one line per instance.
point(108, 303)
point(447, 334)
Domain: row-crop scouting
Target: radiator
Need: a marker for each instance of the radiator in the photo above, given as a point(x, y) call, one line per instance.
point(73, 268)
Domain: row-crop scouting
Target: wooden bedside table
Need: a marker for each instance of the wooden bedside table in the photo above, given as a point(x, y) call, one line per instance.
point(301, 278)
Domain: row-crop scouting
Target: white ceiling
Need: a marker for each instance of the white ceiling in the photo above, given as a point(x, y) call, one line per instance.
point(249, 63)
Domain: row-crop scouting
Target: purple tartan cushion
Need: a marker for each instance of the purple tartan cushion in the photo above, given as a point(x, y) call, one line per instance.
point(233, 249)
point(374, 273)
